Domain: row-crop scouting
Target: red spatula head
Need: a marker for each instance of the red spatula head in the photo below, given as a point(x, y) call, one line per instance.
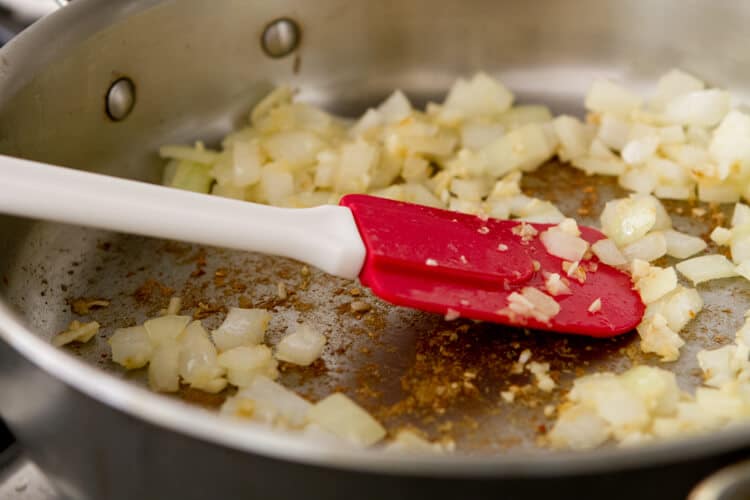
point(458, 264)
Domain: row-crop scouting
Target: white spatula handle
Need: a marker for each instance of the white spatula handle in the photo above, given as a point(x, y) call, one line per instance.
point(326, 236)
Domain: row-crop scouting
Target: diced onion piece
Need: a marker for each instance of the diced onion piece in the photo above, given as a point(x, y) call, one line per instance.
point(296, 148)
point(658, 338)
point(674, 84)
point(525, 148)
point(607, 252)
point(555, 285)
point(649, 248)
point(574, 137)
point(655, 387)
point(740, 244)
point(395, 108)
point(469, 189)
point(656, 283)
point(164, 367)
point(640, 180)
point(613, 131)
point(518, 116)
point(343, 417)
point(743, 269)
point(480, 96)
point(76, 332)
point(276, 184)
point(247, 163)
point(267, 401)
point(245, 362)
point(721, 235)
point(564, 245)
point(702, 107)
point(241, 327)
point(717, 366)
point(166, 328)
point(678, 307)
point(358, 160)
point(476, 135)
point(741, 215)
point(578, 427)
point(725, 192)
point(595, 306)
point(637, 151)
point(628, 220)
point(532, 302)
point(729, 144)
point(198, 365)
point(681, 245)
point(622, 408)
point(131, 347)
point(302, 347)
point(605, 96)
point(705, 268)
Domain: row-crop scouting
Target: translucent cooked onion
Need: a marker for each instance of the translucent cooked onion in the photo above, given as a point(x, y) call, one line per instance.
point(302, 347)
point(343, 417)
point(241, 327)
point(245, 362)
point(656, 283)
point(198, 364)
point(267, 401)
point(166, 328)
point(131, 347)
point(681, 245)
point(649, 248)
point(706, 268)
point(607, 252)
point(76, 332)
point(164, 368)
point(564, 245)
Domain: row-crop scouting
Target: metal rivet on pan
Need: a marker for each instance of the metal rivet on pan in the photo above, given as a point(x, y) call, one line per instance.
point(280, 37)
point(120, 99)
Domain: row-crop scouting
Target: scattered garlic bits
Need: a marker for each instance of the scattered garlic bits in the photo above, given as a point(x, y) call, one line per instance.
point(645, 403)
point(76, 332)
point(531, 303)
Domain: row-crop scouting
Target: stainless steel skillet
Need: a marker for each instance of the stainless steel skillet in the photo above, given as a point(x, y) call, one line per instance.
point(196, 68)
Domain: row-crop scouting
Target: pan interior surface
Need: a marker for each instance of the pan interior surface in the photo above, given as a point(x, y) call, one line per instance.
point(409, 369)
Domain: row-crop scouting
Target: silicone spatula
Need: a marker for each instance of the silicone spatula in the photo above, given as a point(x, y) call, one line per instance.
point(411, 255)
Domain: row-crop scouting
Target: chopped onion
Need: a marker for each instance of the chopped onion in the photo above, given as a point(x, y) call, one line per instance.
point(605, 96)
point(681, 245)
point(741, 215)
point(579, 427)
point(541, 373)
point(628, 220)
point(656, 283)
point(131, 347)
point(721, 235)
point(525, 148)
point(395, 108)
point(658, 338)
point(701, 107)
point(166, 329)
point(343, 417)
point(302, 347)
point(267, 401)
point(674, 84)
point(198, 365)
point(649, 248)
point(241, 327)
point(244, 363)
point(564, 245)
point(556, 285)
point(705, 268)
point(574, 137)
point(678, 307)
point(607, 252)
point(476, 135)
point(164, 367)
